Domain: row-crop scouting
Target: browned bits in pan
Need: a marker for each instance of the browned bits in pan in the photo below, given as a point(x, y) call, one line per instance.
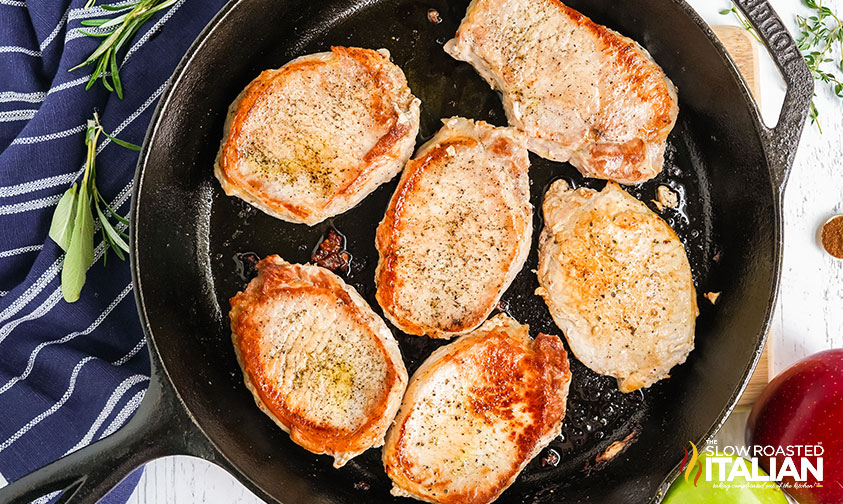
point(614, 449)
point(712, 297)
point(433, 16)
point(550, 457)
point(331, 253)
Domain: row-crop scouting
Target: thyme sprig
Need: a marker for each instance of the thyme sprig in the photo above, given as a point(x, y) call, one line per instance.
point(741, 19)
point(117, 31)
point(72, 227)
point(819, 34)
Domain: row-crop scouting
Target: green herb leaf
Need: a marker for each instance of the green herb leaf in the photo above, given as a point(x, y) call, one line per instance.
point(104, 78)
point(61, 228)
point(113, 212)
point(819, 34)
point(91, 129)
point(742, 20)
point(93, 22)
point(113, 235)
point(80, 253)
point(115, 75)
point(815, 114)
point(123, 143)
point(118, 8)
point(120, 29)
point(73, 221)
point(91, 34)
point(119, 253)
point(116, 21)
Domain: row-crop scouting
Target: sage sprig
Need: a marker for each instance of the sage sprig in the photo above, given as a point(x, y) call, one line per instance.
point(72, 227)
point(117, 31)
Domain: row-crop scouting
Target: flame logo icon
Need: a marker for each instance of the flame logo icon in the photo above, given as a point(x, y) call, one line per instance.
point(689, 465)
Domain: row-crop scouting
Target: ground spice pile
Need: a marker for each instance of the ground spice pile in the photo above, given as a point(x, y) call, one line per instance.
point(832, 237)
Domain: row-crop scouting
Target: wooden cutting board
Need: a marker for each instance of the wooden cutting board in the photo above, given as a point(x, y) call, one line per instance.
point(743, 49)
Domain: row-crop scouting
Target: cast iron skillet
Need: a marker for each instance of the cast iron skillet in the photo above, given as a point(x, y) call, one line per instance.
point(186, 236)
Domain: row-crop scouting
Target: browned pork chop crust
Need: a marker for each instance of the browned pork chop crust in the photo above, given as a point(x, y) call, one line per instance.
point(456, 231)
point(617, 281)
point(582, 92)
point(317, 359)
point(312, 139)
point(476, 412)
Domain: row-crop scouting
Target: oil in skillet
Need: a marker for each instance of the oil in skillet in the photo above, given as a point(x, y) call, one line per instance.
point(245, 265)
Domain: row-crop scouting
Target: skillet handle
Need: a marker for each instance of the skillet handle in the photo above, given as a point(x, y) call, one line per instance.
point(780, 142)
point(160, 427)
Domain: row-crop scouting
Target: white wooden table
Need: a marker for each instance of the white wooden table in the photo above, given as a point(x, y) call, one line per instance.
point(809, 316)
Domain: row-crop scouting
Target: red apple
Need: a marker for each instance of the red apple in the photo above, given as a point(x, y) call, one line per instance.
point(804, 406)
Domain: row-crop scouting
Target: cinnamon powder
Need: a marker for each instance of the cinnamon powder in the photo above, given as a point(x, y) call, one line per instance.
point(832, 237)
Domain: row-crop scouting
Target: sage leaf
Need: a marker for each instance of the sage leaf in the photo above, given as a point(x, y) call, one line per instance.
point(61, 227)
point(72, 226)
point(80, 254)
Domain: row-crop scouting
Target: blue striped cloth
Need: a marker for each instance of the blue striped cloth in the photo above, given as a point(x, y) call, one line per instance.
point(70, 374)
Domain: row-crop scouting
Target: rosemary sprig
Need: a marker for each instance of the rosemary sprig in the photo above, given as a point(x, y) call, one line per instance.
point(819, 34)
point(741, 19)
point(117, 31)
point(72, 227)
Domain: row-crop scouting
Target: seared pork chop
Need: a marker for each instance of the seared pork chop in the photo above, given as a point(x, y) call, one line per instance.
point(457, 229)
point(476, 412)
point(582, 92)
point(617, 282)
point(317, 359)
point(312, 139)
